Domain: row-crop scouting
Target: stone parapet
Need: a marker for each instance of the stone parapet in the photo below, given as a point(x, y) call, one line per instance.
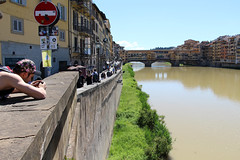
point(95, 114)
point(31, 129)
point(71, 122)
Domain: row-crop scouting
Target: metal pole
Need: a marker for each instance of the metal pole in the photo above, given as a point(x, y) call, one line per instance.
point(48, 68)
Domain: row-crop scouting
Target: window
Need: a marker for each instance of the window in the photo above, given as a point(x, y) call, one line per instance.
point(96, 27)
point(12, 61)
point(17, 25)
point(22, 2)
point(62, 35)
point(75, 44)
point(75, 20)
point(85, 22)
point(82, 44)
point(63, 12)
point(93, 25)
point(82, 23)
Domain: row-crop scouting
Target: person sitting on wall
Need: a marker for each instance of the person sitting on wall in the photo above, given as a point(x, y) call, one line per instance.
point(18, 80)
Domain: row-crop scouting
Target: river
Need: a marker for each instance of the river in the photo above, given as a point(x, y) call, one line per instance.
point(201, 106)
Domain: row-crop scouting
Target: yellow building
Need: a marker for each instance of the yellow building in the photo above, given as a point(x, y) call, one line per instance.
point(138, 55)
point(19, 34)
point(190, 50)
point(80, 31)
point(162, 53)
point(88, 28)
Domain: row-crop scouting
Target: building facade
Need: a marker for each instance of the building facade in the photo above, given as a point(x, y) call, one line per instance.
point(84, 35)
point(19, 35)
point(91, 42)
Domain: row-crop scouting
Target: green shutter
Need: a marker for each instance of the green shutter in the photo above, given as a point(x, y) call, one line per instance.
point(65, 13)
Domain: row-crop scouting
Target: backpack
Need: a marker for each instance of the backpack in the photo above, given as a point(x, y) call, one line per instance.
point(95, 77)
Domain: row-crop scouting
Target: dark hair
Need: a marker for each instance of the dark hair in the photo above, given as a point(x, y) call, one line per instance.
point(25, 65)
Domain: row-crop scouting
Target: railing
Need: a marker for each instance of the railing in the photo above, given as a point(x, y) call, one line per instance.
point(84, 29)
point(82, 4)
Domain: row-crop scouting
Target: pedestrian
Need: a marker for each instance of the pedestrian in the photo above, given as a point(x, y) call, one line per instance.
point(81, 78)
point(95, 75)
point(109, 73)
point(89, 78)
point(18, 80)
point(103, 75)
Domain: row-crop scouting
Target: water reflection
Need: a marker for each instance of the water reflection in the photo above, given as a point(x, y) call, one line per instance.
point(223, 82)
point(137, 66)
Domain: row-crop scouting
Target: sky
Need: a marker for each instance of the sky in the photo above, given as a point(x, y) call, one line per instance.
point(142, 24)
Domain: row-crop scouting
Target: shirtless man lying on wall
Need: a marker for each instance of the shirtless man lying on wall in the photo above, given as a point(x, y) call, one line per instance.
point(18, 80)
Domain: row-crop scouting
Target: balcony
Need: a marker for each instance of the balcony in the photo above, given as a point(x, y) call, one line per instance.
point(83, 6)
point(84, 31)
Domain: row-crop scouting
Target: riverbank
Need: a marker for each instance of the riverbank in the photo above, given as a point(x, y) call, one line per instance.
point(139, 133)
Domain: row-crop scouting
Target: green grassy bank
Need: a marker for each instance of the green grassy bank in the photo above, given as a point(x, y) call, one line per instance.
point(139, 133)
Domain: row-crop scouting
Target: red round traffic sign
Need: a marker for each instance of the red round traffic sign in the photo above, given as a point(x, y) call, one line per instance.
point(46, 13)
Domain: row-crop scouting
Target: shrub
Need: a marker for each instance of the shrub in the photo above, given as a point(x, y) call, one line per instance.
point(139, 132)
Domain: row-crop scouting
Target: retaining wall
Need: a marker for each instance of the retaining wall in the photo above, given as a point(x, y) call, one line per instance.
point(71, 122)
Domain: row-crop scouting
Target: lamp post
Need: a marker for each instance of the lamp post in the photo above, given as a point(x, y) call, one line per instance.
point(98, 57)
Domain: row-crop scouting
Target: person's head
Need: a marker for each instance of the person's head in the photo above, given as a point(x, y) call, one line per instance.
point(26, 69)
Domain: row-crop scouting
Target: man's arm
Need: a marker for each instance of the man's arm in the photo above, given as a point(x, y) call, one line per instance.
point(17, 82)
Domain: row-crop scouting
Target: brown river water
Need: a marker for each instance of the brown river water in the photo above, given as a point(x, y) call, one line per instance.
point(201, 108)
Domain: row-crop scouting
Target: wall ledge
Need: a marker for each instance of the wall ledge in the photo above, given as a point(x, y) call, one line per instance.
point(27, 125)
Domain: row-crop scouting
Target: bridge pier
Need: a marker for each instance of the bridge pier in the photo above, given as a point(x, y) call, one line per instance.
point(175, 64)
point(148, 65)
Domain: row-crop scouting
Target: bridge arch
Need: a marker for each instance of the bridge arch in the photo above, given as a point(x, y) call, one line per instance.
point(148, 63)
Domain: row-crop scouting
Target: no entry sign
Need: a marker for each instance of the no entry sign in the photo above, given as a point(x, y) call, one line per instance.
point(46, 13)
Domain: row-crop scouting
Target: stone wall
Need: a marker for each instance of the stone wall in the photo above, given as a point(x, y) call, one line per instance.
point(96, 110)
point(70, 122)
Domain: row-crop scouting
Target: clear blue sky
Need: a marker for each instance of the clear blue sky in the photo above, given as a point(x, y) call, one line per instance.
point(142, 24)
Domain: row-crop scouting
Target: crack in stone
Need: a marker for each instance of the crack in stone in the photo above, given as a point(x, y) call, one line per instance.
point(1, 139)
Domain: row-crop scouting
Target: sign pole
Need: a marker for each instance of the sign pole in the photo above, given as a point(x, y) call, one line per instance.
point(46, 14)
point(48, 68)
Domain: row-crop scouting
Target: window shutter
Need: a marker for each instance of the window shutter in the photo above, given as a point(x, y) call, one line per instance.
point(65, 13)
point(24, 2)
point(60, 11)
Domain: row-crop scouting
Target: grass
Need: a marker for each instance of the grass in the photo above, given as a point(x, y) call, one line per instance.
point(139, 133)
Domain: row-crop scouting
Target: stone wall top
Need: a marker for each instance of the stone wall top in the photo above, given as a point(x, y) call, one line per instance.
point(27, 124)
